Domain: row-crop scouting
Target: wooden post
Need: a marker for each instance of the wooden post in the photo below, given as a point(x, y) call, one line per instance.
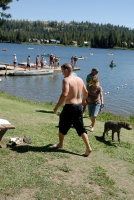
point(6, 70)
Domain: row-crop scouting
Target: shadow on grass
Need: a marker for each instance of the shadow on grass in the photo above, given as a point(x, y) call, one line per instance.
point(46, 111)
point(101, 139)
point(46, 149)
point(85, 116)
point(88, 128)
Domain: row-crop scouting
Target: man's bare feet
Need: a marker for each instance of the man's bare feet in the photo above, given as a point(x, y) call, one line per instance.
point(92, 129)
point(87, 153)
point(2, 144)
point(58, 146)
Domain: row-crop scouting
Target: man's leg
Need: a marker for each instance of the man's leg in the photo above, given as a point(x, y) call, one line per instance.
point(93, 120)
point(88, 147)
point(60, 144)
point(2, 144)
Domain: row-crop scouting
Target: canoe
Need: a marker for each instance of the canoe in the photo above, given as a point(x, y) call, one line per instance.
point(46, 54)
point(24, 64)
point(2, 67)
point(4, 49)
point(81, 58)
point(6, 67)
point(31, 72)
point(32, 65)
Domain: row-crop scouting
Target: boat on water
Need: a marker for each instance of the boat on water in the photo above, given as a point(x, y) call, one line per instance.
point(110, 54)
point(2, 67)
point(30, 48)
point(31, 72)
point(4, 49)
point(32, 65)
point(46, 54)
point(81, 58)
point(24, 64)
point(91, 54)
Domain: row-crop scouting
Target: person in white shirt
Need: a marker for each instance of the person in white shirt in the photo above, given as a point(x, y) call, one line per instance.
point(15, 60)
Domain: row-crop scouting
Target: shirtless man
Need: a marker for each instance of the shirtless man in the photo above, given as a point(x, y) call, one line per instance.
point(72, 90)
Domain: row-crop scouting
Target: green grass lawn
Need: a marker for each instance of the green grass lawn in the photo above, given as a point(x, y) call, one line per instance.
point(39, 172)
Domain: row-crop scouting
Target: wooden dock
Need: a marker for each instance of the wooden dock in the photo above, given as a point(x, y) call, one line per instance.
point(5, 70)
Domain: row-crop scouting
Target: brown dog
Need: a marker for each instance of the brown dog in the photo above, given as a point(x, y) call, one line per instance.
point(115, 127)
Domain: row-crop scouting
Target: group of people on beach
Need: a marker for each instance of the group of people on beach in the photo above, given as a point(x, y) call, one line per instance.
point(76, 96)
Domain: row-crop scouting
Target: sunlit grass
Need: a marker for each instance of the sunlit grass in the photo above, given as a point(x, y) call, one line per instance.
point(60, 173)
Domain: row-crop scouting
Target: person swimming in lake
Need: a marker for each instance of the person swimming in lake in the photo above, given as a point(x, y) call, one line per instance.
point(112, 62)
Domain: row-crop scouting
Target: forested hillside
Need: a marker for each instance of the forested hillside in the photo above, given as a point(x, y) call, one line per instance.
point(82, 34)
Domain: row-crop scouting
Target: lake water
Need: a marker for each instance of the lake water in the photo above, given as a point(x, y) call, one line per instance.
point(117, 82)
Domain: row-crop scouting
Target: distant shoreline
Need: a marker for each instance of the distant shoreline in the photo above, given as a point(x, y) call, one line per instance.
point(35, 43)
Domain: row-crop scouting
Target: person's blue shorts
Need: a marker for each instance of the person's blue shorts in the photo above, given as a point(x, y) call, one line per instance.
point(72, 114)
point(93, 109)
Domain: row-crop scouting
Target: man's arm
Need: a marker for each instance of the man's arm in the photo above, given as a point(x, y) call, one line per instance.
point(85, 95)
point(65, 90)
point(101, 98)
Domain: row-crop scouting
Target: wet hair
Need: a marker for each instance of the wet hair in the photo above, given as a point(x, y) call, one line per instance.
point(67, 66)
point(95, 80)
point(95, 70)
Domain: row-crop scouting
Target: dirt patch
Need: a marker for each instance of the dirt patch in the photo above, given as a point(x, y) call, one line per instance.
point(24, 194)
